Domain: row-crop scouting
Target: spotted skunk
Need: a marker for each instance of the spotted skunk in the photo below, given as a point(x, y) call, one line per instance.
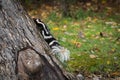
point(62, 53)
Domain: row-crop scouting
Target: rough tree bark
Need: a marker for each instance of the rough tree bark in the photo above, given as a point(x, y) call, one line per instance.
point(23, 54)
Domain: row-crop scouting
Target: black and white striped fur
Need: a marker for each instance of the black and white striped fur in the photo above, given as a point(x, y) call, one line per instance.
point(61, 53)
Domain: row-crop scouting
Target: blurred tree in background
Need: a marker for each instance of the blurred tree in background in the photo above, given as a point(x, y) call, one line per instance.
point(65, 5)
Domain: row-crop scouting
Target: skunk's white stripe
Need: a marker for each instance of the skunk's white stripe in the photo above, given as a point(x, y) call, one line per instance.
point(43, 25)
point(52, 42)
point(45, 36)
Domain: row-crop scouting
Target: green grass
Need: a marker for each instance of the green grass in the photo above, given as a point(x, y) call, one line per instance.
point(91, 39)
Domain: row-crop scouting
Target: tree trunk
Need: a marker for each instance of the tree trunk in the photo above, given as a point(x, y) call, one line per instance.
point(24, 55)
point(65, 8)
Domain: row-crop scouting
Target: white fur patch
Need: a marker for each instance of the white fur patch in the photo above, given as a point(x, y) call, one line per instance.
point(45, 36)
point(53, 41)
point(61, 53)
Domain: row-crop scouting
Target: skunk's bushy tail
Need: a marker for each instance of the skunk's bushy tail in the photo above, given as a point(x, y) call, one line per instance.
point(61, 53)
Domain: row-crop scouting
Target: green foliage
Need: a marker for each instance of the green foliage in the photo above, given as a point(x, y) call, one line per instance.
point(81, 14)
point(53, 16)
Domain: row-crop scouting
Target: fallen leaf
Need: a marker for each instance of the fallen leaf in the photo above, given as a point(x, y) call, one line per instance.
point(92, 56)
point(108, 62)
point(76, 43)
point(94, 20)
point(81, 34)
point(117, 73)
point(118, 30)
point(55, 28)
point(89, 18)
point(65, 26)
